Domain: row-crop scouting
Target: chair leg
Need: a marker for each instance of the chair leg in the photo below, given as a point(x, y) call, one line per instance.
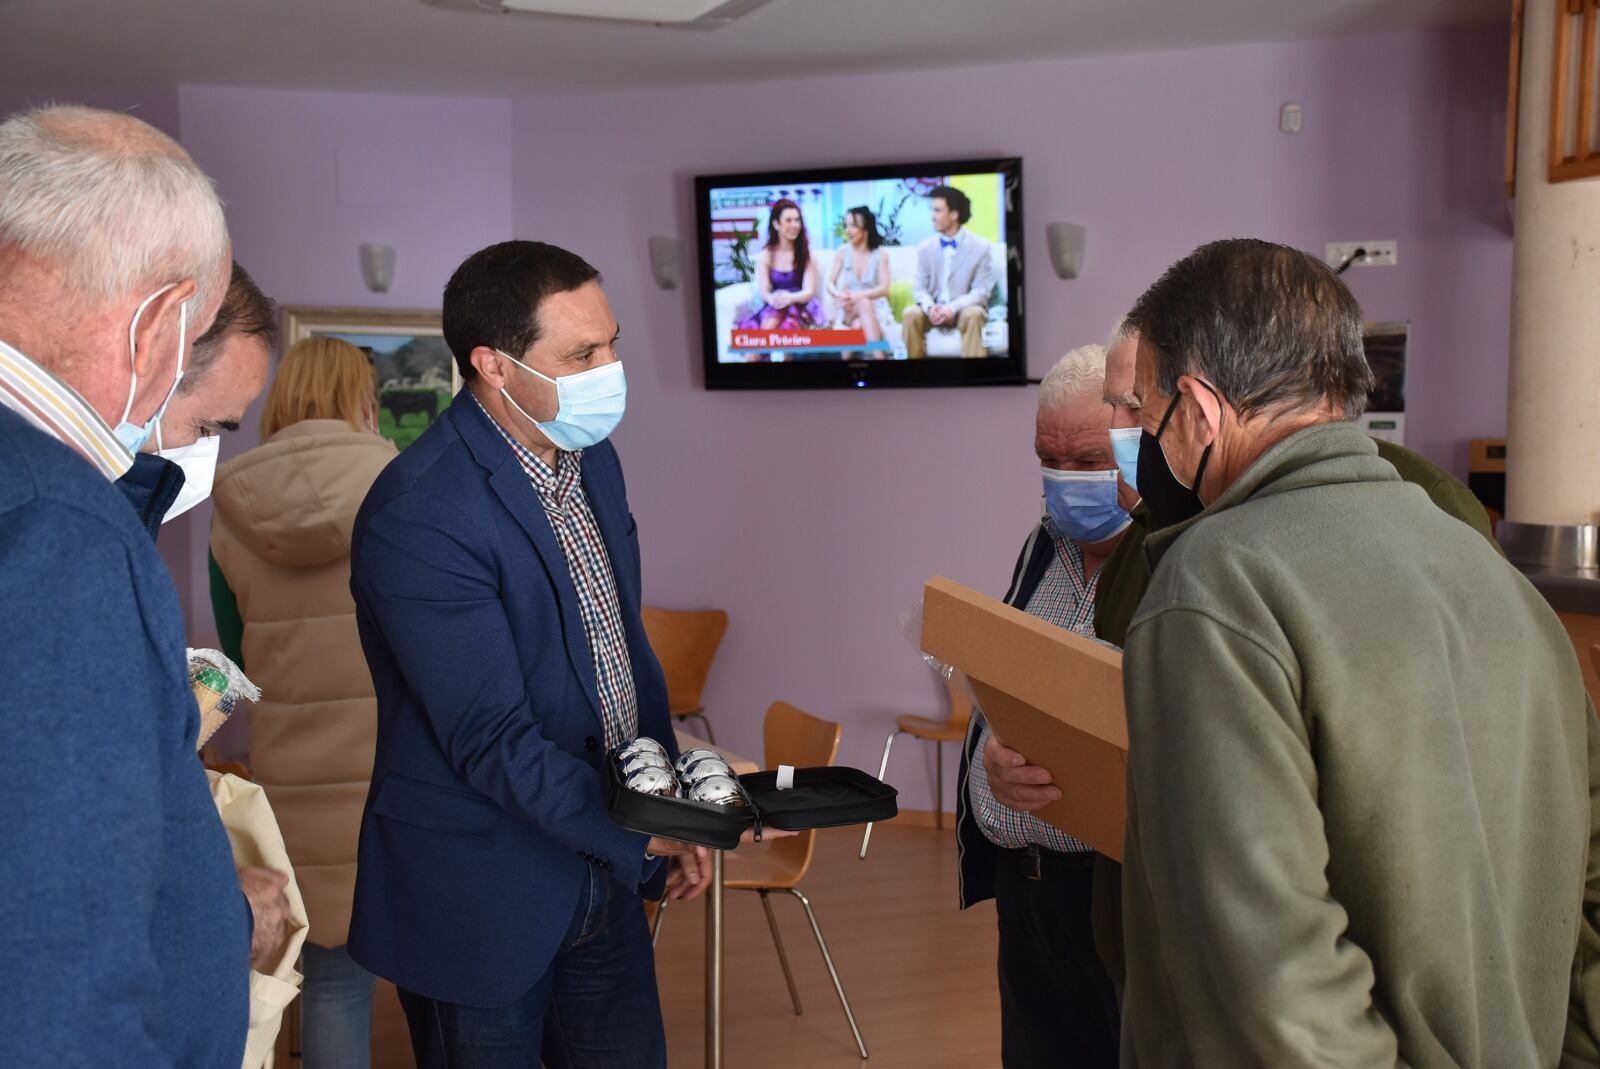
point(783, 958)
point(827, 959)
point(883, 766)
point(711, 736)
point(655, 928)
point(938, 784)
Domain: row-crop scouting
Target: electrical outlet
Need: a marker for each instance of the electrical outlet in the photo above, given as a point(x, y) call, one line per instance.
point(1378, 253)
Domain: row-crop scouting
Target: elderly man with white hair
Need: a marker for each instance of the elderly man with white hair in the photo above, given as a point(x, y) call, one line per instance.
point(1057, 1004)
point(126, 938)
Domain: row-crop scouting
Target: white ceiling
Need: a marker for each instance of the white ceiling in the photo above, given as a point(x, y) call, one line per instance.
point(406, 47)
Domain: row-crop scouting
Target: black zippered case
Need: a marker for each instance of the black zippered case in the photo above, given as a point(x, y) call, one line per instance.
point(828, 797)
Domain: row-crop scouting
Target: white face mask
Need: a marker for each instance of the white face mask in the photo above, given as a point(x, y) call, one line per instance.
point(134, 435)
point(199, 463)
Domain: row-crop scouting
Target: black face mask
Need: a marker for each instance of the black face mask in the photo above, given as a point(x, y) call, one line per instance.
point(1167, 499)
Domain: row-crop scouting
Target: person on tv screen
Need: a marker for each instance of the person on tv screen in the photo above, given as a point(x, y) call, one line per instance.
point(859, 281)
point(785, 275)
point(955, 276)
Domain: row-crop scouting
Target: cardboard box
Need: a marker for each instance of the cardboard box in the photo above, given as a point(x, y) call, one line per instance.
point(1052, 695)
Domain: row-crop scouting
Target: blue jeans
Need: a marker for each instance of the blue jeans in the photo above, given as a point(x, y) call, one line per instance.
point(596, 1006)
point(335, 1010)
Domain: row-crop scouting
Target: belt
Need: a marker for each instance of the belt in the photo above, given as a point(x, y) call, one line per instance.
point(1037, 863)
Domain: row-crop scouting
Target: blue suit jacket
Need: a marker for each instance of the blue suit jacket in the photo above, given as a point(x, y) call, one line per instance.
point(486, 809)
point(125, 937)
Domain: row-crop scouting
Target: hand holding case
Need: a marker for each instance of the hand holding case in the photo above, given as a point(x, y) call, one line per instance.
point(827, 797)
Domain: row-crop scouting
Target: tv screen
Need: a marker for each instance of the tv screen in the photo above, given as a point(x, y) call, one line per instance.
point(893, 275)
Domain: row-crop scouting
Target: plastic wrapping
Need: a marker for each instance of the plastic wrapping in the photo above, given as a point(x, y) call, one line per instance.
point(218, 686)
point(911, 627)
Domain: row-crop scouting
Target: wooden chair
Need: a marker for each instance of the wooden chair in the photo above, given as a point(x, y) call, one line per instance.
point(1594, 657)
point(938, 732)
point(685, 643)
point(804, 741)
point(213, 760)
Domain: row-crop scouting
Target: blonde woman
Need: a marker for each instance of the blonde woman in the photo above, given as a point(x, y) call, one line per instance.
point(280, 590)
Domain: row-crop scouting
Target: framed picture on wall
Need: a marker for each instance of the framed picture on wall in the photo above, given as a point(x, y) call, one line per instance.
point(416, 374)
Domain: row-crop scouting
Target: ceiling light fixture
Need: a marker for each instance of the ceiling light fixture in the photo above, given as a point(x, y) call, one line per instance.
point(677, 14)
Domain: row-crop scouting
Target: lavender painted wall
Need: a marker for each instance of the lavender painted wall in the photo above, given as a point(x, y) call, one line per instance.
point(155, 104)
point(814, 517)
point(307, 178)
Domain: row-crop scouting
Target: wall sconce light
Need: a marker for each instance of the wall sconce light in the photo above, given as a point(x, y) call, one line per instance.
point(377, 267)
point(666, 257)
point(1066, 241)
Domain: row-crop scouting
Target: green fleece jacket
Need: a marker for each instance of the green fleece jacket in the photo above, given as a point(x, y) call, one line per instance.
point(1362, 779)
point(1126, 573)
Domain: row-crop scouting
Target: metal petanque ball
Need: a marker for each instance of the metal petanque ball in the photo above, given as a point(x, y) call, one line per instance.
point(657, 781)
point(691, 757)
point(718, 790)
point(643, 760)
point(643, 745)
point(703, 770)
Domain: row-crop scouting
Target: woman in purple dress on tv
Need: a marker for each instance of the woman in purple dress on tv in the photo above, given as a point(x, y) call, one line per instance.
point(786, 276)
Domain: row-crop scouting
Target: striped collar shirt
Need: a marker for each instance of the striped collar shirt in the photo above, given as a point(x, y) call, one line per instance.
point(58, 410)
point(560, 491)
point(1064, 597)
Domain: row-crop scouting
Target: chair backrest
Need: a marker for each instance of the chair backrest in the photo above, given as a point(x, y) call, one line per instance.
point(685, 643)
point(960, 701)
point(797, 738)
point(1594, 659)
point(214, 761)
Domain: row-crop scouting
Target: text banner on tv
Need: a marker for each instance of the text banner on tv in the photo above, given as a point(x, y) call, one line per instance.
point(755, 341)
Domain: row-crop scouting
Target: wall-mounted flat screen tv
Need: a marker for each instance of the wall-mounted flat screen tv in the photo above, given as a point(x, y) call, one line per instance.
point(853, 277)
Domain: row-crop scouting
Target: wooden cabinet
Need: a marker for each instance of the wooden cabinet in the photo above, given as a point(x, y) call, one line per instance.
point(1575, 92)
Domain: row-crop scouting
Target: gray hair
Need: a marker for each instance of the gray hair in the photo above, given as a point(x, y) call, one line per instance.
point(1082, 371)
point(1269, 326)
point(112, 203)
point(1121, 331)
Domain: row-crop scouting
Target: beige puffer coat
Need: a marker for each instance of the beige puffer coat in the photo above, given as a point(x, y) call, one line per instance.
point(281, 536)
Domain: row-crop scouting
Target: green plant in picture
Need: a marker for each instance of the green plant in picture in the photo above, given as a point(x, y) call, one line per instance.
point(741, 266)
point(889, 219)
point(888, 222)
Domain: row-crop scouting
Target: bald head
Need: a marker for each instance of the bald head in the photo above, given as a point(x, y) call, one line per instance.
point(109, 208)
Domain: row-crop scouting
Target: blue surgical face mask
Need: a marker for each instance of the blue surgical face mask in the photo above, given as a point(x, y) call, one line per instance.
point(133, 436)
point(589, 404)
point(1125, 447)
point(1082, 505)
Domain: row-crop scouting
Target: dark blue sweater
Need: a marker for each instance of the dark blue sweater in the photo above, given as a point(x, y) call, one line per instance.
point(125, 938)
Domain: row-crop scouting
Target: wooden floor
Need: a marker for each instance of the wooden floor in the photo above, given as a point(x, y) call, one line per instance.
point(919, 973)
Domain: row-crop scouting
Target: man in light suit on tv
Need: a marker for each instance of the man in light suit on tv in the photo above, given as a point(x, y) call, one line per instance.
point(955, 276)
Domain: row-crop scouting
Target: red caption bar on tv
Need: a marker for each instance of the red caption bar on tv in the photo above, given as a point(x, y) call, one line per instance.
point(798, 339)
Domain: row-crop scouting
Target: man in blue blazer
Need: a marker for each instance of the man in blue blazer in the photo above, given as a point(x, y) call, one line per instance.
point(495, 568)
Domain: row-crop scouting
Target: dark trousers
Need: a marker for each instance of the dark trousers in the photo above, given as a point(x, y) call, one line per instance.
point(1057, 1006)
point(596, 1007)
